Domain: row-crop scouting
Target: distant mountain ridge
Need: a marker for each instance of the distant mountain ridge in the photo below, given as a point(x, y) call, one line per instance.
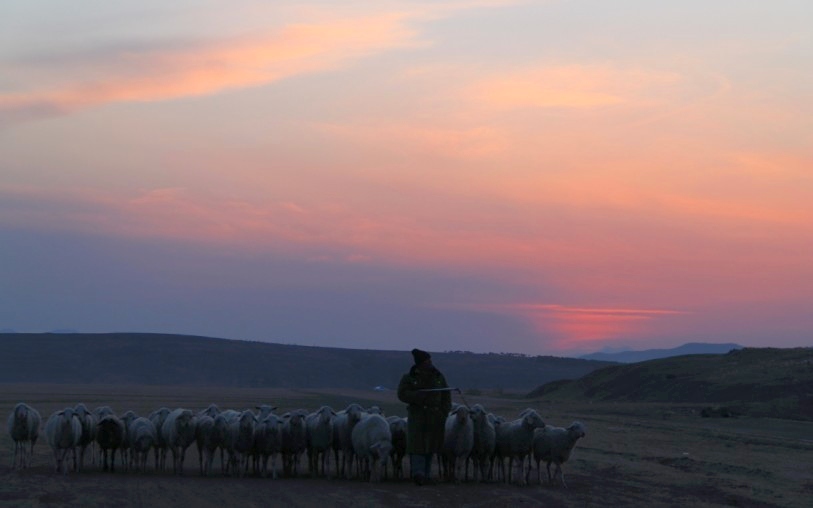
point(691, 348)
point(163, 359)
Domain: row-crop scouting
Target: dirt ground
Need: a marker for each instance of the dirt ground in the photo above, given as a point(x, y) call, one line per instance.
point(633, 455)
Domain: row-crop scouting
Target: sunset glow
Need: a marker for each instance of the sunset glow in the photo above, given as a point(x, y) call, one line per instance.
point(546, 177)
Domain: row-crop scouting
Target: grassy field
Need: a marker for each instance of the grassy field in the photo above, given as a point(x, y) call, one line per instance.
point(634, 454)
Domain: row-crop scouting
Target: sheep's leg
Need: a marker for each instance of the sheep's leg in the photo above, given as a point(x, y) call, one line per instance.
point(561, 474)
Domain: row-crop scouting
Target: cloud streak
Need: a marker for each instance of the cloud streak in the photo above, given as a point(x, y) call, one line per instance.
point(205, 68)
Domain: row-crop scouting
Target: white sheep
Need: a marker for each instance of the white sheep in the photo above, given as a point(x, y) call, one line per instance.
point(210, 411)
point(205, 442)
point(158, 417)
point(24, 429)
point(268, 443)
point(219, 433)
point(179, 432)
point(263, 410)
point(126, 455)
point(294, 440)
point(398, 431)
point(88, 437)
point(63, 430)
point(343, 425)
point(110, 434)
point(554, 445)
point(142, 436)
point(372, 444)
point(319, 439)
point(458, 441)
point(514, 442)
point(485, 440)
point(240, 441)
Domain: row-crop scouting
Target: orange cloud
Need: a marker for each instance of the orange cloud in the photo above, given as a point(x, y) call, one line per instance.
point(567, 86)
point(211, 68)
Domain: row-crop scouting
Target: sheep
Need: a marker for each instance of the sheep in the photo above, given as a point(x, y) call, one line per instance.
point(205, 442)
point(142, 436)
point(398, 431)
point(293, 440)
point(219, 433)
point(268, 442)
point(125, 452)
point(179, 432)
point(110, 434)
point(514, 441)
point(372, 444)
point(240, 440)
point(88, 434)
point(263, 410)
point(319, 439)
point(158, 417)
point(24, 428)
point(210, 411)
point(343, 425)
point(554, 444)
point(485, 440)
point(99, 413)
point(63, 430)
point(458, 441)
point(374, 410)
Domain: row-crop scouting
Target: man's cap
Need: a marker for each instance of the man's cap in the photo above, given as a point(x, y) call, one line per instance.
point(420, 356)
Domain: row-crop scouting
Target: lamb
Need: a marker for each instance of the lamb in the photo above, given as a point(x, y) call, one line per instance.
point(268, 443)
point(158, 417)
point(343, 425)
point(398, 430)
point(88, 434)
point(458, 441)
point(110, 434)
point(179, 432)
point(319, 440)
point(554, 444)
point(485, 440)
point(142, 436)
point(514, 441)
point(63, 430)
point(294, 440)
point(24, 428)
point(372, 444)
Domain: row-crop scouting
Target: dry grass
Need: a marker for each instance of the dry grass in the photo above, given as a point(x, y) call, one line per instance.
point(634, 454)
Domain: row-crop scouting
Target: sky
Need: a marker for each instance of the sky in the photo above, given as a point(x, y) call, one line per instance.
point(542, 177)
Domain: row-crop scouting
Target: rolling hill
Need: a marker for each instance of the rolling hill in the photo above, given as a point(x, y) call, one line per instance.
point(759, 381)
point(156, 359)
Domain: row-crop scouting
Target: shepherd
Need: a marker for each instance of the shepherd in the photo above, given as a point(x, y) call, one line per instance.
point(429, 401)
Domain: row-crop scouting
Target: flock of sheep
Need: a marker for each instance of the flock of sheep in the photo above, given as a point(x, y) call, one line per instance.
point(362, 441)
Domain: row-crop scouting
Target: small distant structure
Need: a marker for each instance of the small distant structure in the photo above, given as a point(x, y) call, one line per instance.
point(380, 388)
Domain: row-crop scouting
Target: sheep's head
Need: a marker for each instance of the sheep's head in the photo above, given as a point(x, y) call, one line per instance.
point(531, 419)
point(20, 412)
point(577, 430)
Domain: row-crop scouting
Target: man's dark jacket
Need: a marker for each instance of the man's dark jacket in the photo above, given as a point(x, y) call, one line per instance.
point(427, 412)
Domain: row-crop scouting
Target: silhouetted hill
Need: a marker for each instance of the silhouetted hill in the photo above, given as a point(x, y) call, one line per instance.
point(155, 359)
point(764, 381)
point(692, 348)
